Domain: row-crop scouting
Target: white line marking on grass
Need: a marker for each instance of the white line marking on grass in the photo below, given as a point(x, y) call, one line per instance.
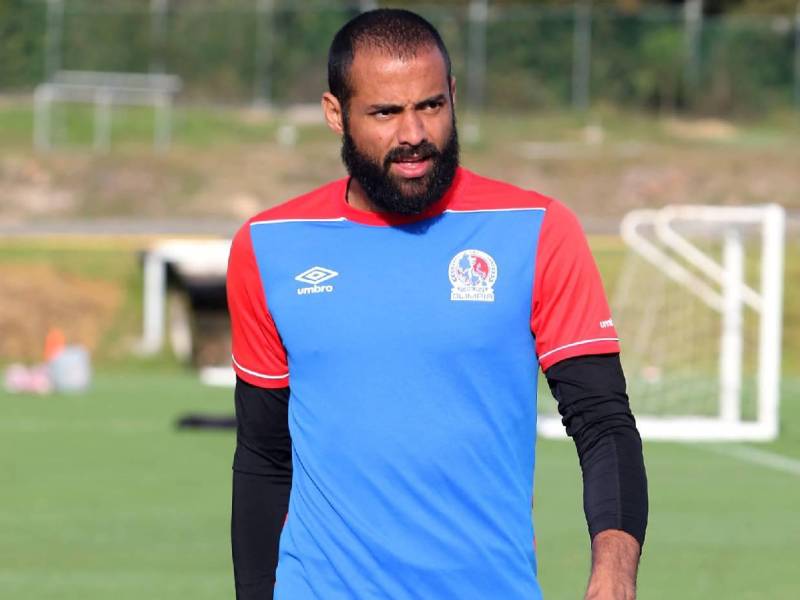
point(757, 456)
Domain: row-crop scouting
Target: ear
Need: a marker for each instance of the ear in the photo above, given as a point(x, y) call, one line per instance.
point(453, 91)
point(332, 110)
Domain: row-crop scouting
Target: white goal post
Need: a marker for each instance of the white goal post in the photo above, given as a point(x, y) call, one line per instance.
point(104, 91)
point(698, 306)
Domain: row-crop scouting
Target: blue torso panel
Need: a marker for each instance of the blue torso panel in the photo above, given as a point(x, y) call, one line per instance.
point(413, 404)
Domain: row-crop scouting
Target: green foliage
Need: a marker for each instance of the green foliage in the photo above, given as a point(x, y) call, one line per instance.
point(22, 26)
point(230, 52)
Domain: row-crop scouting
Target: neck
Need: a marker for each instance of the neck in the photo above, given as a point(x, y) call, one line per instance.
point(357, 197)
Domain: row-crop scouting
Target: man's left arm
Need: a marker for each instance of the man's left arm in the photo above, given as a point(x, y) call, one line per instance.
point(593, 403)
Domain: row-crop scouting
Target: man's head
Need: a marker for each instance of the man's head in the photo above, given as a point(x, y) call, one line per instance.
point(391, 98)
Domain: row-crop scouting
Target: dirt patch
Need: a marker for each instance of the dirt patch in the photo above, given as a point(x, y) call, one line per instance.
point(34, 298)
point(701, 129)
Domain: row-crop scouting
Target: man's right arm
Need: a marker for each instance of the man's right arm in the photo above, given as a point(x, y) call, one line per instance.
point(262, 480)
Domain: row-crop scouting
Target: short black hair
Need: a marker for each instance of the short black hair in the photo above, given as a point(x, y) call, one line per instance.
point(397, 32)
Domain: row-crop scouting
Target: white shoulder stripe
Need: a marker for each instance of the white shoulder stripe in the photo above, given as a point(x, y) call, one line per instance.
point(296, 221)
point(256, 373)
point(565, 346)
point(479, 210)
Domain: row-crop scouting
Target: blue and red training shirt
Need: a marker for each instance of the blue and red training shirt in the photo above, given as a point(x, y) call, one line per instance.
point(411, 346)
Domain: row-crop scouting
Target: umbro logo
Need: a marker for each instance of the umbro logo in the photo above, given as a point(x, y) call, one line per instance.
point(314, 276)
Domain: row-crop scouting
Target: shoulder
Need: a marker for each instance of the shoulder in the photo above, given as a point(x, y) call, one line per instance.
point(318, 204)
point(477, 192)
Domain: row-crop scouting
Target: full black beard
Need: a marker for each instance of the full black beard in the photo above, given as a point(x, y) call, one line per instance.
point(383, 190)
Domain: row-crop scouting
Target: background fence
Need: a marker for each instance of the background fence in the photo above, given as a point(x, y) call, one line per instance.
point(505, 56)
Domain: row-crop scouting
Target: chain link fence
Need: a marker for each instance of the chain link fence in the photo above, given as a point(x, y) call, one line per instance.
point(522, 56)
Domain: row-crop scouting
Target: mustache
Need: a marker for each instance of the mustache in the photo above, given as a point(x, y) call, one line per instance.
point(421, 151)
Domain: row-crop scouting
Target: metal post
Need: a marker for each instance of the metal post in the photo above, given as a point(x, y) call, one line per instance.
point(42, 100)
point(155, 289)
point(693, 27)
point(102, 120)
point(797, 57)
point(476, 61)
point(582, 55)
point(53, 36)
point(262, 81)
point(163, 130)
point(476, 67)
point(158, 34)
point(769, 343)
point(730, 356)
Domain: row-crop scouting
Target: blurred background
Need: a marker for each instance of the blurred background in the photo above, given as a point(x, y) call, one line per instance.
point(137, 135)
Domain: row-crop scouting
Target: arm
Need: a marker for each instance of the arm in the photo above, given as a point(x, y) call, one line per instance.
point(592, 401)
point(262, 479)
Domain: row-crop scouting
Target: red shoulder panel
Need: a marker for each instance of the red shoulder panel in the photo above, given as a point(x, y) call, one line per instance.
point(481, 193)
point(258, 353)
point(570, 314)
point(321, 203)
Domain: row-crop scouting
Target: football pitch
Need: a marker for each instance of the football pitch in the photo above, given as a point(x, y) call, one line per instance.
point(101, 496)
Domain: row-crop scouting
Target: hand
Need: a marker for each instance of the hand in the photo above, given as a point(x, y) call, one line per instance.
point(615, 561)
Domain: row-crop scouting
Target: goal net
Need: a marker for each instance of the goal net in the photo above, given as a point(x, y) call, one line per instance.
point(697, 305)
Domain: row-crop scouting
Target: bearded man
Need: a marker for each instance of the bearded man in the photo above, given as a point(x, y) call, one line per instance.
point(387, 332)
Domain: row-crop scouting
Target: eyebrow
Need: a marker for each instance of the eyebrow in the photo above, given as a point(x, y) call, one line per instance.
point(394, 108)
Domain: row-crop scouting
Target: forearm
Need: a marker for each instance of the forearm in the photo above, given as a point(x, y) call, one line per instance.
point(258, 512)
point(262, 479)
point(615, 561)
point(594, 405)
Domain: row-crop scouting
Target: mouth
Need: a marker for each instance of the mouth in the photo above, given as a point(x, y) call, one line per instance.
point(412, 167)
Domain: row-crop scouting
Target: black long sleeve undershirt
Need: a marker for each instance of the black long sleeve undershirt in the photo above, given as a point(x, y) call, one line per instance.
point(262, 479)
point(590, 391)
point(594, 407)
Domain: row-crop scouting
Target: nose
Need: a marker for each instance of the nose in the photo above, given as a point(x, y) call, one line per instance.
point(411, 130)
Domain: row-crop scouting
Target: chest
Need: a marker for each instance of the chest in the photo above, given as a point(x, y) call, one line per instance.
point(459, 282)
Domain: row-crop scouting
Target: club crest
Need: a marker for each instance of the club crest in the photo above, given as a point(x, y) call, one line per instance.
point(473, 274)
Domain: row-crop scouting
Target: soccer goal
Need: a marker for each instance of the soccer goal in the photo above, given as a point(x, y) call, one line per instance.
point(698, 306)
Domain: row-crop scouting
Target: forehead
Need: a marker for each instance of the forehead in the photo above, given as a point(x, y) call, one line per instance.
point(379, 77)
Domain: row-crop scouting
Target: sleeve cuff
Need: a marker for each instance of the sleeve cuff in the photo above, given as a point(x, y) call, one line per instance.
point(258, 379)
point(579, 348)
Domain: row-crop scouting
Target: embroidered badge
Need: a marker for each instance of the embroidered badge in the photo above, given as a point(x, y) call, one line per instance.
point(473, 274)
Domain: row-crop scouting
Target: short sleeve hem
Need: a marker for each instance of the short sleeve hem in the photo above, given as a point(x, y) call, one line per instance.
point(255, 378)
point(608, 345)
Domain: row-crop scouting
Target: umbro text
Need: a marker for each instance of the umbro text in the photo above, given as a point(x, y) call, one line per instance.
point(314, 289)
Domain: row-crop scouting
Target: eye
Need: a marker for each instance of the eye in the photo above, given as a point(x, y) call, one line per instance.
point(383, 113)
point(433, 105)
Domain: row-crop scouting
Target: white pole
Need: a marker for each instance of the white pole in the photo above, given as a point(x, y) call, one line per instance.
point(769, 343)
point(582, 55)
point(42, 100)
point(102, 119)
point(730, 356)
point(163, 121)
point(155, 290)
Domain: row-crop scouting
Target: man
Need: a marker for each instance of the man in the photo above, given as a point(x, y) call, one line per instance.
point(396, 319)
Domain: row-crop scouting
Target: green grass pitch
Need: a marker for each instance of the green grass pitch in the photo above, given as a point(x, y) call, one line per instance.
point(101, 497)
